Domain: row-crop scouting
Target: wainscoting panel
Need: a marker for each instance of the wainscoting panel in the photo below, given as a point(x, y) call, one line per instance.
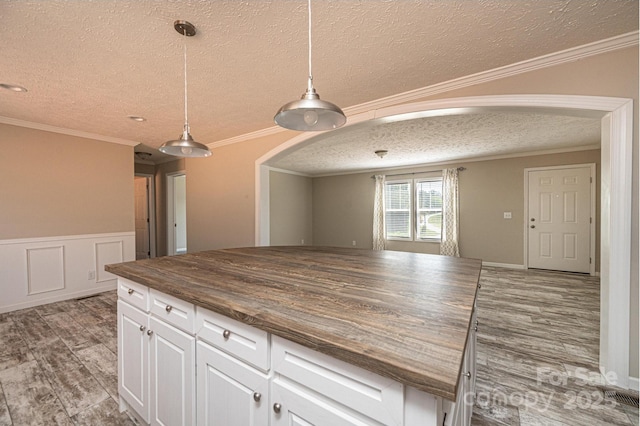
point(107, 252)
point(35, 271)
point(45, 269)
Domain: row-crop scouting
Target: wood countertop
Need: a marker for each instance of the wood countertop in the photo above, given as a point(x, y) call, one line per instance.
point(400, 315)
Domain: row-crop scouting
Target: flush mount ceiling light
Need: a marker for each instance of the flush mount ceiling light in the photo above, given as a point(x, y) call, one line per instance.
point(381, 153)
point(136, 118)
point(185, 146)
point(13, 87)
point(310, 113)
point(141, 155)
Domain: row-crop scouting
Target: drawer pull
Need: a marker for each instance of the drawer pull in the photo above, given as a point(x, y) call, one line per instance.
point(142, 328)
point(257, 396)
point(467, 374)
point(149, 332)
point(277, 407)
point(226, 334)
point(130, 291)
point(168, 308)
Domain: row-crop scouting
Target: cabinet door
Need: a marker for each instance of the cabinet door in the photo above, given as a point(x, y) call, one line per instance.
point(133, 355)
point(230, 393)
point(172, 374)
point(293, 405)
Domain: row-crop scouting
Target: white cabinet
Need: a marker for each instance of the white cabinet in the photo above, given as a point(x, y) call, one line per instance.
point(133, 355)
point(460, 412)
point(156, 360)
point(172, 361)
point(230, 392)
point(183, 365)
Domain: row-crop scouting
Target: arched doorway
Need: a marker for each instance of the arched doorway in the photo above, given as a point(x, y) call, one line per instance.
point(616, 158)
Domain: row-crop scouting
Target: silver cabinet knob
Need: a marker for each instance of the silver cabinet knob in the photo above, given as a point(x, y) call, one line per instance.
point(532, 226)
point(142, 328)
point(168, 308)
point(477, 322)
point(475, 328)
point(277, 407)
point(226, 334)
point(149, 332)
point(130, 291)
point(467, 374)
point(533, 219)
point(257, 396)
point(479, 285)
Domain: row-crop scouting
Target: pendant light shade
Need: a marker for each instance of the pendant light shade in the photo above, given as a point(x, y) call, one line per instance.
point(185, 146)
point(310, 113)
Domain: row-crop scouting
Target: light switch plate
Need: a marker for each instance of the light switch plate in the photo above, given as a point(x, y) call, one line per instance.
point(507, 215)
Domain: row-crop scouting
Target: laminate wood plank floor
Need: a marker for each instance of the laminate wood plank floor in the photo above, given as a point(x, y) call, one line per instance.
point(538, 346)
point(58, 364)
point(538, 336)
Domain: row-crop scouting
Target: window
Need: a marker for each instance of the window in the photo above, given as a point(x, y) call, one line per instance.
point(413, 209)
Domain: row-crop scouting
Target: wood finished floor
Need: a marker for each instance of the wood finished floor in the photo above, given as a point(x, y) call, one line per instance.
point(538, 339)
point(537, 330)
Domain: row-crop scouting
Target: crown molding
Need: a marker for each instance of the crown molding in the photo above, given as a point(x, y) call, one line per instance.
point(569, 55)
point(557, 58)
point(64, 131)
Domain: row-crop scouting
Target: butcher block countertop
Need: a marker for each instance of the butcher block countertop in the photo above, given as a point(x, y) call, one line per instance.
point(401, 315)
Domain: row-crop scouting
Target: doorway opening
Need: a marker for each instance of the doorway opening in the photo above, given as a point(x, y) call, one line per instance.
point(176, 213)
point(145, 214)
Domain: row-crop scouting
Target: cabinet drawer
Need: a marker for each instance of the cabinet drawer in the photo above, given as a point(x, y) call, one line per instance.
point(376, 397)
point(240, 340)
point(172, 310)
point(133, 293)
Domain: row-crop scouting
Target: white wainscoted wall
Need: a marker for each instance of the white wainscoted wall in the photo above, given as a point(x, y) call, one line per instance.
point(35, 271)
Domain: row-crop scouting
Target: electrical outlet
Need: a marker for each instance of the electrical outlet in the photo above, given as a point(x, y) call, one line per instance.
point(302, 242)
point(507, 215)
point(353, 243)
point(92, 275)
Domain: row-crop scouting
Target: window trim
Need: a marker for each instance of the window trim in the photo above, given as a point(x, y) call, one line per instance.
point(413, 216)
point(411, 210)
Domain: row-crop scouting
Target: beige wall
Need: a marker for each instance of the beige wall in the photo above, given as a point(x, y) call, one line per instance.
point(221, 195)
point(290, 209)
point(343, 207)
point(60, 185)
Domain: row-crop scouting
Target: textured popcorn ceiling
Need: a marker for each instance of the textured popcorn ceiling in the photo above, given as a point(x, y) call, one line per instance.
point(439, 139)
point(90, 64)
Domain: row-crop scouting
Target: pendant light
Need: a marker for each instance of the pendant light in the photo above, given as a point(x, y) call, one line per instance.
point(310, 113)
point(185, 146)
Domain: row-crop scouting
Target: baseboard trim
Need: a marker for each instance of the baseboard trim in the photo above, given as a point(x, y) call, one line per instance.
point(59, 298)
point(634, 383)
point(503, 265)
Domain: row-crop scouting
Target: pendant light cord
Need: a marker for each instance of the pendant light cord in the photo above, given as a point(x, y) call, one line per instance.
point(186, 119)
point(310, 85)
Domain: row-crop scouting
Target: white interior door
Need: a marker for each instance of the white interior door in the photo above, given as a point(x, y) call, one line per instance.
point(560, 218)
point(143, 241)
point(177, 213)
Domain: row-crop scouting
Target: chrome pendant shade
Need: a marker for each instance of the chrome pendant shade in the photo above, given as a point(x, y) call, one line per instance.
point(185, 146)
point(310, 113)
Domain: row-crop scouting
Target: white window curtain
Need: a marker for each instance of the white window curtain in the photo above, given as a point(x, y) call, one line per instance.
point(378, 214)
point(449, 242)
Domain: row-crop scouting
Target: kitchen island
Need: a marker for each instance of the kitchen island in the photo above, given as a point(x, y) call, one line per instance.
point(313, 325)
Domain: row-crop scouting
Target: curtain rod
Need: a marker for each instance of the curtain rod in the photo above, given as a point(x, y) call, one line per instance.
point(460, 169)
